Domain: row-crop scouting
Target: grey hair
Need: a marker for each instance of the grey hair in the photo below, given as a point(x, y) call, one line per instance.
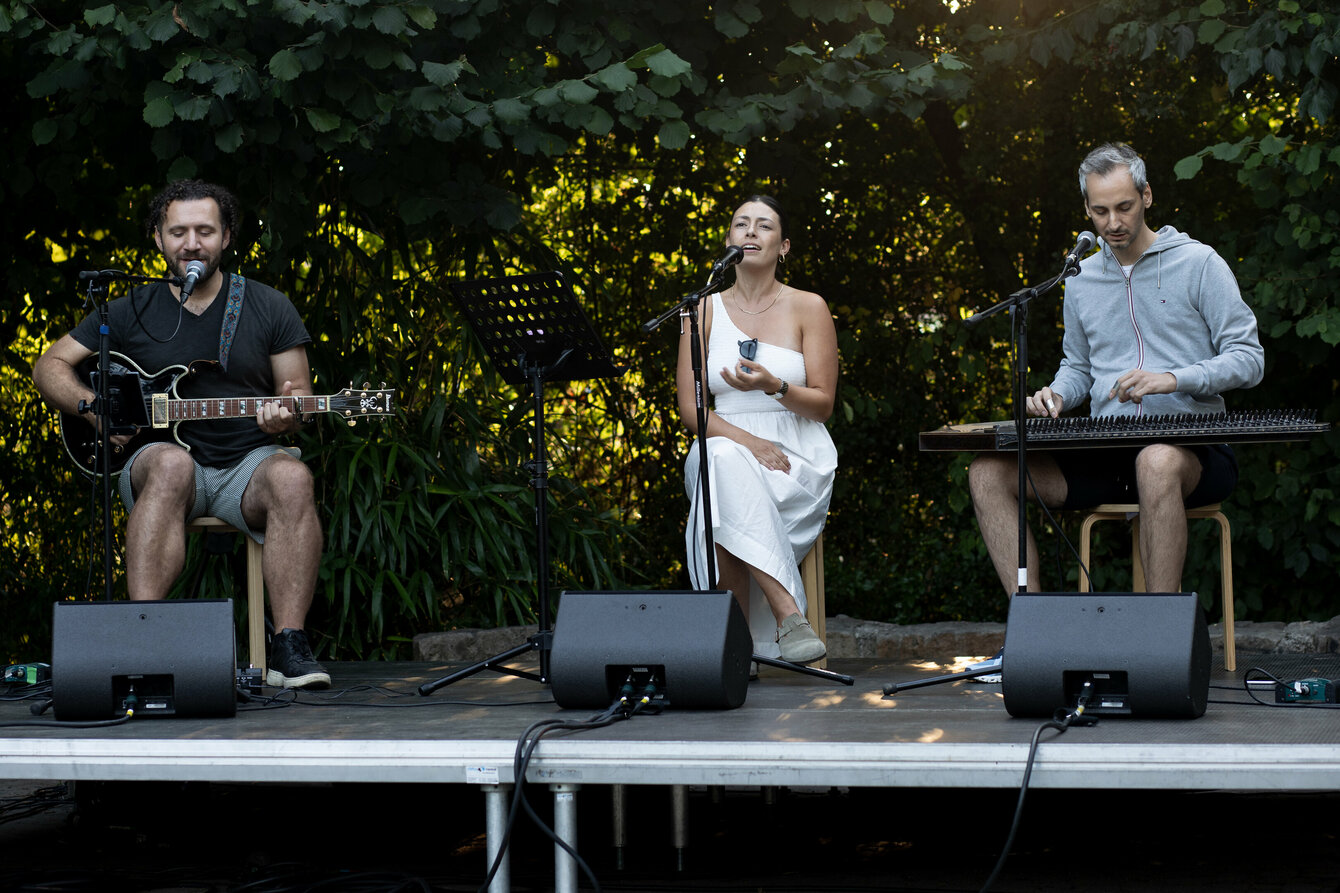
point(1102, 160)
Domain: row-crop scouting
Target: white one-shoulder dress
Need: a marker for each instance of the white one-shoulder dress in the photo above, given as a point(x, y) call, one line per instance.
point(768, 518)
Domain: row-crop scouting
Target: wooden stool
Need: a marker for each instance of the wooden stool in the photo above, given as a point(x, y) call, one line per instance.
point(812, 576)
point(255, 586)
point(1122, 512)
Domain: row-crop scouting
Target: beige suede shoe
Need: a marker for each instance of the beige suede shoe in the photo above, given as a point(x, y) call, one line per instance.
point(798, 641)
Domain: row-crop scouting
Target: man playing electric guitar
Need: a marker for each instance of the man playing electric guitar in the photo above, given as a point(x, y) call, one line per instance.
point(234, 469)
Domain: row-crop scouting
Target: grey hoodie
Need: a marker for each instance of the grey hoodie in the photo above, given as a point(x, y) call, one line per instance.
point(1180, 312)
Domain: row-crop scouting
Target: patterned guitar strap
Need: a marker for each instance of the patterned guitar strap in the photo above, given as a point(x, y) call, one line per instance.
point(236, 290)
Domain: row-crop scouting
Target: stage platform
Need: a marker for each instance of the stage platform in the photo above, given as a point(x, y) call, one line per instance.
point(910, 793)
point(793, 730)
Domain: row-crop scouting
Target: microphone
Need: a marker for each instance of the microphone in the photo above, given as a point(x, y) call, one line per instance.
point(733, 255)
point(194, 270)
point(98, 277)
point(1082, 247)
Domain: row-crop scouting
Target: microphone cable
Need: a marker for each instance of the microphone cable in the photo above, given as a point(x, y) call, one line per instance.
point(626, 706)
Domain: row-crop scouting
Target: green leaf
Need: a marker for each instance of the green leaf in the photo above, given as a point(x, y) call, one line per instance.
point(284, 65)
point(389, 20)
point(577, 92)
point(1210, 30)
point(728, 24)
point(1188, 167)
point(158, 112)
point(323, 121)
point(445, 74)
point(511, 110)
point(639, 59)
point(541, 21)
point(1213, 8)
point(599, 122)
point(229, 138)
point(423, 16)
point(668, 65)
point(103, 15)
point(674, 135)
point(879, 13)
point(1272, 145)
point(615, 78)
point(44, 131)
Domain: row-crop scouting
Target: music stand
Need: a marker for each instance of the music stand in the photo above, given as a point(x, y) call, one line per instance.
point(534, 332)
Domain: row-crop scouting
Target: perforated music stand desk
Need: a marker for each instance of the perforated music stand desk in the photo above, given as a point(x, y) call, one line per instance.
point(534, 332)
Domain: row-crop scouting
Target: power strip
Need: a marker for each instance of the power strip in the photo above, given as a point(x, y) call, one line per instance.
point(1312, 690)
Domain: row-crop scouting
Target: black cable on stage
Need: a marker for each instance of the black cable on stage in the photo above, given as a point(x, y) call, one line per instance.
point(25, 691)
point(295, 697)
point(67, 724)
point(39, 801)
point(623, 708)
point(1060, 721)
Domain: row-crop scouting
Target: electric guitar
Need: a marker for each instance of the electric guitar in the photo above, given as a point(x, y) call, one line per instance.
point(148, 408)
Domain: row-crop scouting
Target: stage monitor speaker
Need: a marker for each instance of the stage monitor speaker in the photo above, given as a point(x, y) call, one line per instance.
point(163, 658)
point(1148, 654)
point(696, 643)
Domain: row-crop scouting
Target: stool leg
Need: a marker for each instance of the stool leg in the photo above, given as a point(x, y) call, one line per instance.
point(1226, 591)
point(1137, 566)
point(256, 605)
point(1084, 533)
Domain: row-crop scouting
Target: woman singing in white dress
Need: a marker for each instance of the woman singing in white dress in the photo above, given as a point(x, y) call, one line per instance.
point(772, 368)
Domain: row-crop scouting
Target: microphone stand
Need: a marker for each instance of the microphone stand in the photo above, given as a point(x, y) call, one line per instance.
point(1018, 303)
point(104, 405)
point(688, 306)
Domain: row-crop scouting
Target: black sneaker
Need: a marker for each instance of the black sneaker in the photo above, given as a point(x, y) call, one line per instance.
point(292, 664)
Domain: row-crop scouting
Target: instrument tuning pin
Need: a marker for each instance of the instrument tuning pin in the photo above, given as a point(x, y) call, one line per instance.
point(366, 385)
point(353, 422)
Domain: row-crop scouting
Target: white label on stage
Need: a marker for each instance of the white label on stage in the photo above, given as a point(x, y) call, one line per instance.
point(481, 775)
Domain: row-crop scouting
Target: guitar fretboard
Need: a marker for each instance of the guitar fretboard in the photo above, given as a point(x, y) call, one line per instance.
point(181, 410)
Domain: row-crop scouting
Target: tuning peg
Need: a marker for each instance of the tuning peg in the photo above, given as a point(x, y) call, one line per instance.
point(366, 385)
point(353, 422)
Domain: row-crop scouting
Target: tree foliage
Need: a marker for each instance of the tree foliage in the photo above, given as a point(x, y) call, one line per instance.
point(926, 151)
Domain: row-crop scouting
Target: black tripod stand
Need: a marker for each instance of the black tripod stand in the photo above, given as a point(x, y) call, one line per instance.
point(1017, 303)
point(119, 404)
point(535, 333)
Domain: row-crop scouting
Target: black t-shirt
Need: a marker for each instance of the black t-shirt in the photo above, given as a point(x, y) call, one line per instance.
point(268, 325)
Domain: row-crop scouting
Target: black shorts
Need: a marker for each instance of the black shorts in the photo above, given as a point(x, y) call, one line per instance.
point(1101, 476)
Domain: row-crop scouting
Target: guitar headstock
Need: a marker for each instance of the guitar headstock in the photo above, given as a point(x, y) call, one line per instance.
point(352, 404)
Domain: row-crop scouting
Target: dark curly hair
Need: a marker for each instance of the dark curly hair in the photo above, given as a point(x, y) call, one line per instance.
point(189, 191)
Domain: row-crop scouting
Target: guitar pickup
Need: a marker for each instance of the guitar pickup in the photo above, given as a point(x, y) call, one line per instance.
point(158, 410)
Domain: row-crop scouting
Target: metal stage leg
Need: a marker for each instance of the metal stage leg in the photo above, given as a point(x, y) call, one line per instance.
point(679, 817)
point(619, 819)
point(565, 827)
point(496, 800)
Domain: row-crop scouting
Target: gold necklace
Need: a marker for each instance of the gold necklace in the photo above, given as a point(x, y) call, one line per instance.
point(736, 301)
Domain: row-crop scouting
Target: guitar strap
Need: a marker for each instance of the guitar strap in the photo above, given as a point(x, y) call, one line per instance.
point(236, 290)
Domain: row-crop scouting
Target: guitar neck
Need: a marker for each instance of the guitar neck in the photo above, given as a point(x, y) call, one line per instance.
point(164, 409)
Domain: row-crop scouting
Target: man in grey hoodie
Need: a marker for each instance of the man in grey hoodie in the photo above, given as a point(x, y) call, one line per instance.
point(1154, 324)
